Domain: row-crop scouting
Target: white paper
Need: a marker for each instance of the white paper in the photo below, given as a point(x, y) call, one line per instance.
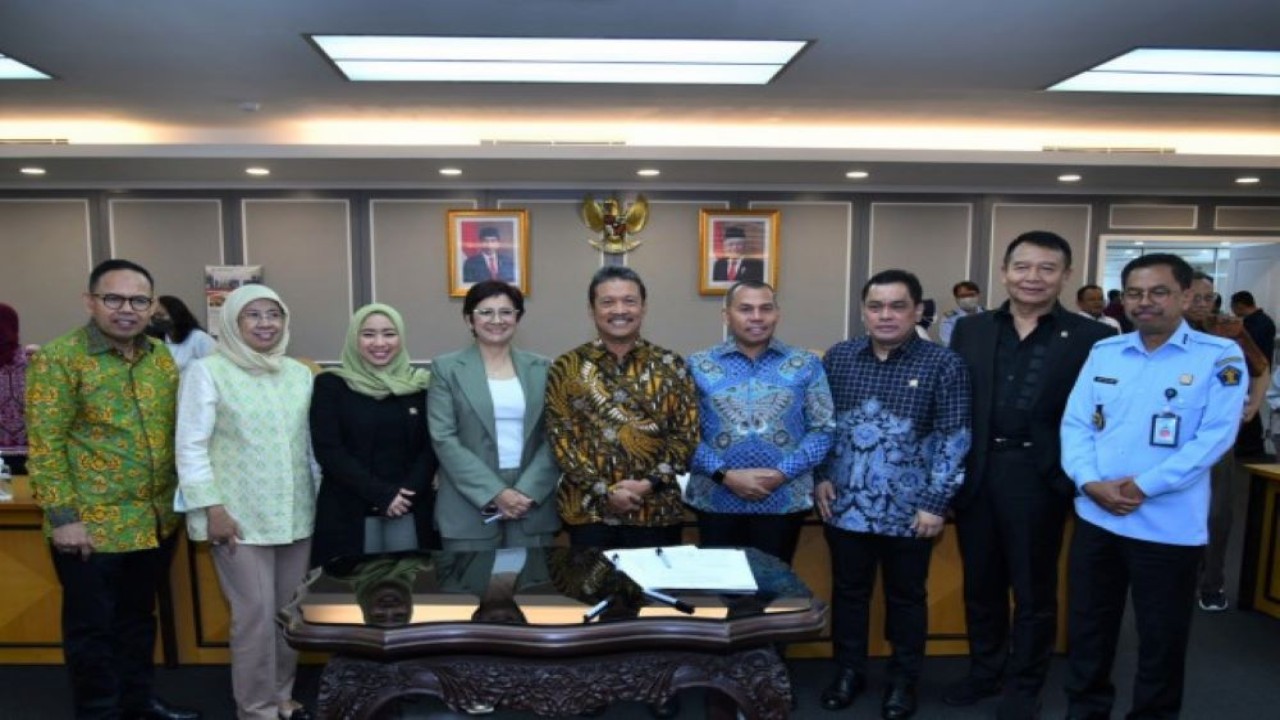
point(691, 568)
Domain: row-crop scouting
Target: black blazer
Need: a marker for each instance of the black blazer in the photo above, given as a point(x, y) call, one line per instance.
point(367, 449)
point(975, 339)
point(749, 269)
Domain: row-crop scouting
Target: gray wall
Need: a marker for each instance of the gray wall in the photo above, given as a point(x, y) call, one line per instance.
point(329, 252)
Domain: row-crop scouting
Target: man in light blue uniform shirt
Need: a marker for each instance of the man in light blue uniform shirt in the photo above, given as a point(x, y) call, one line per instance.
point(1149, 415)
point(766, 419)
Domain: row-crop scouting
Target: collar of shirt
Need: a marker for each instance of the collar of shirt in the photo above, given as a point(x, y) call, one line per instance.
point(730, 346)
point(98, 343)
point(906, 349)
point(1003, 313)
point(1178, 339)
point(599, 352)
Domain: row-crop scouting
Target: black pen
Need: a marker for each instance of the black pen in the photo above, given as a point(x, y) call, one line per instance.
point(663, 557)
point(665, 599)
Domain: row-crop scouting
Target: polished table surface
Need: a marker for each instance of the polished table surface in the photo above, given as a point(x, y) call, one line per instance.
point(508, 629)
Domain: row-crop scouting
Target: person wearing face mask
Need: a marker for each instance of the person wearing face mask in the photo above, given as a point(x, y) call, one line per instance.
point(173, 323)
point(369, 433)
point(247, 481)
point(497, 476)
point(968, 302)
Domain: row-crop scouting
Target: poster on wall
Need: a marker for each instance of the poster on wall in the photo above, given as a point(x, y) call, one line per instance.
point(219, 281)
point(736, 246)
point(487, 245)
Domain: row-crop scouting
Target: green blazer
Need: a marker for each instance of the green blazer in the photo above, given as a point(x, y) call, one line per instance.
point(460, 420)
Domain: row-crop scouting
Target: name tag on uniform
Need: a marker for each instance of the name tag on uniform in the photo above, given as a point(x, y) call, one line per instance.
point(1164, 430)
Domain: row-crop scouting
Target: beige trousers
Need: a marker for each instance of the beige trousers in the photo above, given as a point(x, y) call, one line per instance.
point(258, 580)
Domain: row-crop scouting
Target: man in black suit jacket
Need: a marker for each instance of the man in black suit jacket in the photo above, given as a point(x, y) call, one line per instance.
point(1023, 361)
point(733, 267)
point(481, 265)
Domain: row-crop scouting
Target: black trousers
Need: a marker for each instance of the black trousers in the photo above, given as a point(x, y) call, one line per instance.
point(1162, 578)
point(109, 626)
point(777, 535)
point(904, 564)
point(623, 536)
point(1010, 538)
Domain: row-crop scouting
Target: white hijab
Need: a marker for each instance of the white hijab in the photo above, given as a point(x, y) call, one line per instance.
point(230, 343)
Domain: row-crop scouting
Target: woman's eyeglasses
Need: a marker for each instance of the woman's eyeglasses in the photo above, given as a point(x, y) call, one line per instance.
point(490, 313)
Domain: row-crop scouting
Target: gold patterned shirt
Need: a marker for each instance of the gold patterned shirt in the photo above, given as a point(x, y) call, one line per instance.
point(611, 420)
point(100, 429)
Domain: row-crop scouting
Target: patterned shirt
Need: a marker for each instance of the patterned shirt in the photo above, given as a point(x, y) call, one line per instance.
point(611, 420)
point(101, 434)
point(771, 412)
point(902, 432)
point(13, 388)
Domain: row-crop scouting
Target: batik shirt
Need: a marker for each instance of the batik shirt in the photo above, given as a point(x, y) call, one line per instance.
point(100, 429)
point(611, 420)
point(13, 384)
point(771, 412)
point(902, 431)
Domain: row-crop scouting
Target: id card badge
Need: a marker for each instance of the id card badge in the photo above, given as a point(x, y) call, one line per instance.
point(1164, 429)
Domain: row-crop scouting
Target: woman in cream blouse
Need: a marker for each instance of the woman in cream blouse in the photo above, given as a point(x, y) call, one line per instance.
point(497, 477)
point(247, 482)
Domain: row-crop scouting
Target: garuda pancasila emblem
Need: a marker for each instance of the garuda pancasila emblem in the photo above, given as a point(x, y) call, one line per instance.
point(616, 229)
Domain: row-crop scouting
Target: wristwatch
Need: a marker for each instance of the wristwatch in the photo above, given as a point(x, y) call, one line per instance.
point(717, 477)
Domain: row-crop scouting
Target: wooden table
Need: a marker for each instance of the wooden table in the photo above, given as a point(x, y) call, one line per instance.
point(1260, 567)
point(449, 625)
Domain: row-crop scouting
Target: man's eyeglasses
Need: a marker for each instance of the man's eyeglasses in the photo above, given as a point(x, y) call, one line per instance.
point(1159, 294)
point(490, 313)
point(138, 303)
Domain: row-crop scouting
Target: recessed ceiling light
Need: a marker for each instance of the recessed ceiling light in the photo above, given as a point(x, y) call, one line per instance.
point(857, 174)
point(557, 60)
point(1069, 177)
point(450, 171)
point(11, 69)
point(32, 170)
point(257, 171)
point(1248, 180)
point(1173, 70)
point(648, 172)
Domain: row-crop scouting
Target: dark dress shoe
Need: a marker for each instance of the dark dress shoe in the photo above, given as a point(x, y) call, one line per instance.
point(969, 691)
point(842, 691)
point(899, 702)
point(157, 709)
point(668, 708)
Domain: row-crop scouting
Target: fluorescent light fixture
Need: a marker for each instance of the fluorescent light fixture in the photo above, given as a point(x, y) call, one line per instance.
point(1171, 70)
point(857, 174)
point(649, 172)
point(1225, 243)
point(1069, 177)
point(450, 171)
point(557, 60)
point(257, 171)
point(32, 170)
point(1248, 180)
point(1140, 243)
point(11, 69)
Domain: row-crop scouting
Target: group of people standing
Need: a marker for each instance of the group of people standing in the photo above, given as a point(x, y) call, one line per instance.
point(886, 435)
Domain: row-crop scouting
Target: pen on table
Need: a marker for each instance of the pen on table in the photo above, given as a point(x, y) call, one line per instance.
point(663, 557)
point(596, 609)
point(665, 599)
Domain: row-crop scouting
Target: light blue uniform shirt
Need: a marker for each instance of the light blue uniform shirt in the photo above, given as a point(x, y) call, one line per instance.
point(1122, 387)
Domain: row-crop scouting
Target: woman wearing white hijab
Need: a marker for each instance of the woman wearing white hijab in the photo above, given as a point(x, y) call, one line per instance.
point(248, 485)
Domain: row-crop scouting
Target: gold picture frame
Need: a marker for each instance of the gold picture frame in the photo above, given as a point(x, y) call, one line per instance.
point(755, 232)
point(470, 233)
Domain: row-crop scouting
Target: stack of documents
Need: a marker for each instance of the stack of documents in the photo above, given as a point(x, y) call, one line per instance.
point(686, 567)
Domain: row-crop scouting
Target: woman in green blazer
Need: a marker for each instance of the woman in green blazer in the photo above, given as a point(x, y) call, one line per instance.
point(497, 477)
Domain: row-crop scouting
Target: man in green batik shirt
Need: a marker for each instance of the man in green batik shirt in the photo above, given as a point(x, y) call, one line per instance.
point(101, 406)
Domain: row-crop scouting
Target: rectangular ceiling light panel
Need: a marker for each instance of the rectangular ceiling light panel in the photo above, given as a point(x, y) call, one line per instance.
point(1170, 70)
point(557, 60)
point(11, 69)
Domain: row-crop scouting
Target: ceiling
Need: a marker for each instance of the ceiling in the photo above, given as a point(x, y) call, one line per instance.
point(926, 95)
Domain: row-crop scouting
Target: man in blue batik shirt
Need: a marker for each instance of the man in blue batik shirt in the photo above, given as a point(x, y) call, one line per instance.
point(902, 431)
point(1149, 415)
point(766, 421)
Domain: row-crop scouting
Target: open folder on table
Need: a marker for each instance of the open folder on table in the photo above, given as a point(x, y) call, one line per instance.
point(686, 567)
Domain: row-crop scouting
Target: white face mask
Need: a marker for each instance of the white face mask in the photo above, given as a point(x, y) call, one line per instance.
point(967, 304)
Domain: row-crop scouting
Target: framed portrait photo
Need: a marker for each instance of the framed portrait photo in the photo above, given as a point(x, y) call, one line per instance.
point(487, 245)
point(736, 245)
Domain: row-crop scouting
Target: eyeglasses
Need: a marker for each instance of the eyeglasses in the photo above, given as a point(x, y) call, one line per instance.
point(138, 303)
point(1158, 294)
point(271, 316)
point(490, 313)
